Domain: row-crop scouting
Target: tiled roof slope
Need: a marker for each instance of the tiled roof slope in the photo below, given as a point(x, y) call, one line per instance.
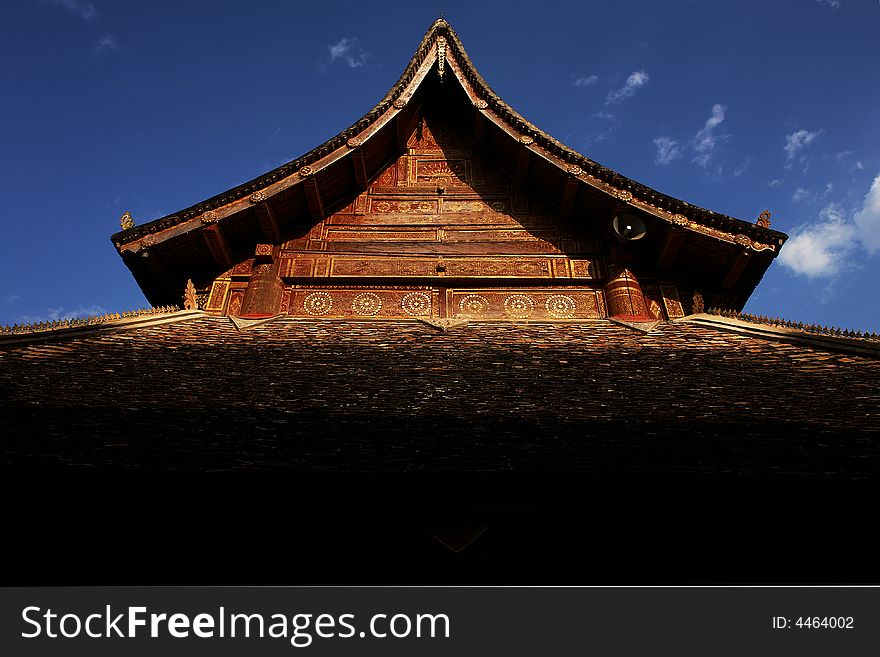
point(374, 396)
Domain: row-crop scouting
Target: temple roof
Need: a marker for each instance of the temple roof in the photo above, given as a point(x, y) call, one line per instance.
point(190, 391)
point(340, 168)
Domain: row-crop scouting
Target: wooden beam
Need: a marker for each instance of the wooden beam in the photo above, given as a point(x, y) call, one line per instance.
point(479, 131)
point(569, 194)
point(360, 168)
point(402, 132)
point(218, 245)
point(522, 166)
point(313, 196)
point(735, 269)
point(268, 222)
point(672, 241)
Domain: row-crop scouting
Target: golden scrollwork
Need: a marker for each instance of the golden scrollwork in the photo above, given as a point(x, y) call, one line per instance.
point(126, 221)
point(441, 55)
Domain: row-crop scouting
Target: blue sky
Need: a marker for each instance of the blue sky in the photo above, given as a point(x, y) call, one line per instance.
point(150, 107)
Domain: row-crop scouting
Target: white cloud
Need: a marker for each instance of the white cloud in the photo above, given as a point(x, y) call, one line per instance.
point(776, 182)
point(667, 150)
point(823, 248)
point(348, 49)
point(587, 81)
point(834, 4)
point(829, 246)
point(704, 141)
point(106, 43)
point(635, 81)
point(798, 141)
point(867, 219)
point(82, 8)
point(800, 194)
point(858, 165)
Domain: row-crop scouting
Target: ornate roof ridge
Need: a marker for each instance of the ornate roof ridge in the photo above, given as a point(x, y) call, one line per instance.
point(627, 188)
point(774, 328)
point(79, 325)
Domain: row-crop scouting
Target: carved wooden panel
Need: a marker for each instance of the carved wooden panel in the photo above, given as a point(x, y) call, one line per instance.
point(478, 304)
point(217, 297)
point(363, 302)
point(671, 301)
point(525, 303)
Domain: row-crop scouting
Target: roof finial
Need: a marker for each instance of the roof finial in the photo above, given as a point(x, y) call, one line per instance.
point(126, 221)
point(764, 219)
point(190, 299)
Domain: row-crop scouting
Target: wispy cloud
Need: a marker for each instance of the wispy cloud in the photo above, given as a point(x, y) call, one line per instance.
point(611, 122)
point(106, 43)
point(704, 141)
point(81, 8)
point(585, 81)
point(797, 141)
point(635, 81)
point(800, 194)
point(834, 4)
point(667, 150)
point(741, 169)
point(776, 182)
point(52, 314)
point(349, 51)
point(867, 219)
point(12, 299)
point(828, 247)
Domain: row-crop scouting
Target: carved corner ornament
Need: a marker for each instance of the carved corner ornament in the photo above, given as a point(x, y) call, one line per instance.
point(481, 104)
point(305, 172)
point(126, 221)
point(258, 197)
point(680, 220)
point(400, 103)
point(208, 217)
point(624, 195)
point(698, 305)
point(764, 219)
point(526, 140)
point(190, 298)
point(575, 170)
point(354, 142)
